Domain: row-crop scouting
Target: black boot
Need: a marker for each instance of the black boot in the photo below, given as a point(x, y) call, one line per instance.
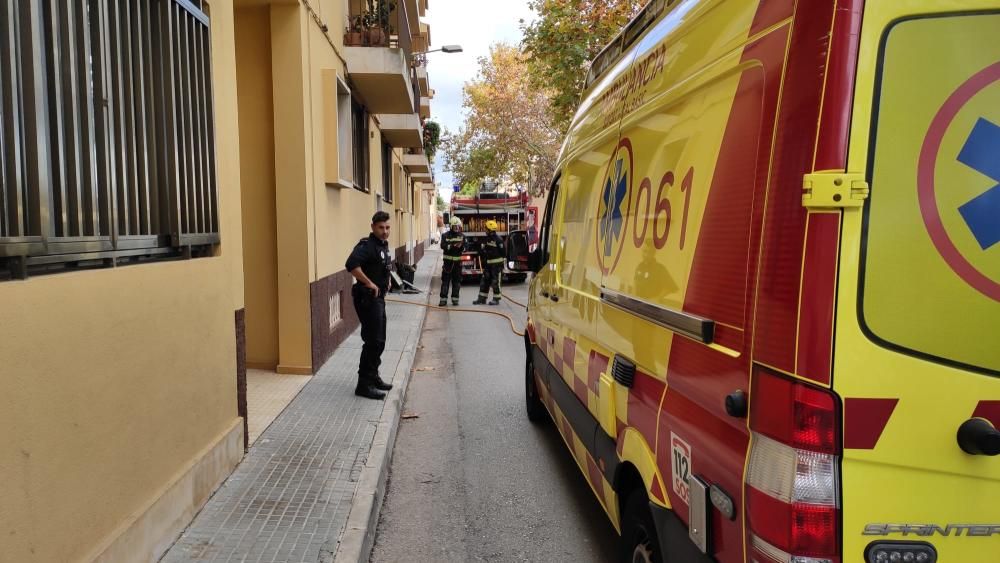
point(479, 301)
point(496, 301)
point(443, 303)
point(454, 302)
point(381, 385)
point(369, 392)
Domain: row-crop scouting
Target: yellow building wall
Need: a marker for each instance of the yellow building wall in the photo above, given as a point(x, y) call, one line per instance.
point(114, 382)
point(315, 225)
point(256, 118)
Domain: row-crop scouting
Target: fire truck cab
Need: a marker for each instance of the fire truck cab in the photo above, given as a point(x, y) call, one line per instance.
point(767, 298)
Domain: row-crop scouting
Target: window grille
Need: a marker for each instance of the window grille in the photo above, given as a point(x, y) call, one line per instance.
point(107, 133)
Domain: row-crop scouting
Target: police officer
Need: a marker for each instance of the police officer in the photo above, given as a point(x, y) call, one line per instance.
point(491, 254)
point(370, 263)
point(453, 244)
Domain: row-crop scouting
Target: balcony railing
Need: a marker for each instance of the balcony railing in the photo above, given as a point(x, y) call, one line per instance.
point(398, 36)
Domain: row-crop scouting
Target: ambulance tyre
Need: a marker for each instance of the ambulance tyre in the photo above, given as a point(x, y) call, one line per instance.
point(533, 402)
point(639, 543)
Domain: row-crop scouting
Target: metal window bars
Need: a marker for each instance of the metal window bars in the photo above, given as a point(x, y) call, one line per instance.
point(107, 132)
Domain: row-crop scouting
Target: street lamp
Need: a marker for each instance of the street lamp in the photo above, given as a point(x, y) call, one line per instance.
point(444, 49)
point(421, 58)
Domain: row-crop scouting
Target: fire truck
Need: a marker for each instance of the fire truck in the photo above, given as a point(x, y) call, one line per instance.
point(508, 210)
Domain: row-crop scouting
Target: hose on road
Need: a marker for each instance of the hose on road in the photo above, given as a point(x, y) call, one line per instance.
point(518, 303)
point(513, 327)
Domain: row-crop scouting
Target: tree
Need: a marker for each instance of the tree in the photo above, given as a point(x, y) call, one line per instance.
point(560, 44)
point(508, 135)
point(441, 204)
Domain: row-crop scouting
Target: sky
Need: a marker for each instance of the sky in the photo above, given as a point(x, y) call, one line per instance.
point(475, 25)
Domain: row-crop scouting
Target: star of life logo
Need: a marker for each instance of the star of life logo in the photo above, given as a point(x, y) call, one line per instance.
point(614, 207)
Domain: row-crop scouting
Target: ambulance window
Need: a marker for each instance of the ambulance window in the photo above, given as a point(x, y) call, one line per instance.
point(930, 279)
point(550, 206)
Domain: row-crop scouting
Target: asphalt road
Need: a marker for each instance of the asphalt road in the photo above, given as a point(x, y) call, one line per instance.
point(471, 478)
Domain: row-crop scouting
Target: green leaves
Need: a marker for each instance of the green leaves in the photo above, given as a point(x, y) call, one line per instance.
point(523, 99)
point(508, 135)
point(432, 138)
point(560, 44)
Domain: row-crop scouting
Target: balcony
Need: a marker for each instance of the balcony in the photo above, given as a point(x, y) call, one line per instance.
point(402, 130)
point(381, 77)
point(416, 163)
point(422, 80)
point(379, 57)
point(425, 108)
point(422, 177)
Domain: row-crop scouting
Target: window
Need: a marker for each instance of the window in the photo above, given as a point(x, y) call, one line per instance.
point(550, 207)
point(107, 138)
point(930, 278)
point(386, 171)
point(338, 131)
point(359, 119)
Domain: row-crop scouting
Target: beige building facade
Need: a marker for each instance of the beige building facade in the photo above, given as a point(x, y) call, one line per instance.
point(330, 134)
point(181, 183)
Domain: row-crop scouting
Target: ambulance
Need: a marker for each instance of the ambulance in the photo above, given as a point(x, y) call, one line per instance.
point(765, 317)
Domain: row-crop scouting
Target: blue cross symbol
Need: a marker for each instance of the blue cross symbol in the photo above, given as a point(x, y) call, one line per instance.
point(982, 153)
point(611, 220)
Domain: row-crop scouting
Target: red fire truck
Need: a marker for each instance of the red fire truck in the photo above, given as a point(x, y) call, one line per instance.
point(508, 210)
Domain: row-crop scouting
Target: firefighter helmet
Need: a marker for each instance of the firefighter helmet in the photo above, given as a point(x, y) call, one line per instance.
point(455, 222)
point(491, 225)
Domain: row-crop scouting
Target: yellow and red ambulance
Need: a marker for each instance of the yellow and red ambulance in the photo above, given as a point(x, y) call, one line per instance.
point(766, 314)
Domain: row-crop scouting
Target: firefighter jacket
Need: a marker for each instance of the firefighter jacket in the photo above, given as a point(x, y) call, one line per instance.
point(453, 244)
point(492, 249)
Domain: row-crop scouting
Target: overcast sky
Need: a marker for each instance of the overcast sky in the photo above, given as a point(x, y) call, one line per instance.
point(475, 25)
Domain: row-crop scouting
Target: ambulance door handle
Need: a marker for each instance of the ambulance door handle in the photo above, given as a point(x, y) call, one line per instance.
point(545, 293)
point(554, 297)
point(978, 436)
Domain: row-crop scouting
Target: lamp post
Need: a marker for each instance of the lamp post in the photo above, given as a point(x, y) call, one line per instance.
point(421, 58)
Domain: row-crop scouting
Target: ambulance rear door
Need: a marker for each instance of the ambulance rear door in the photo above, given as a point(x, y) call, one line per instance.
point(917, 359)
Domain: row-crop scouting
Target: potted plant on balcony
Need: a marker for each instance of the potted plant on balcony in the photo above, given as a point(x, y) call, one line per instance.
point(377, 22)
point(355, 35)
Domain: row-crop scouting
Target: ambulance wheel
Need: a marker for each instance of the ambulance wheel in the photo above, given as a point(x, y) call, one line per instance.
point(533, 402)
point(639, 543)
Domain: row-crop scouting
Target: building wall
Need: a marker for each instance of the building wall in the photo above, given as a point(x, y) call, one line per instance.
point(256, 118)
point(298, 306)
point(116, 384)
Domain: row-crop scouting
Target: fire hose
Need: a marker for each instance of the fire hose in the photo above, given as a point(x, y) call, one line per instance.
point(401, 282)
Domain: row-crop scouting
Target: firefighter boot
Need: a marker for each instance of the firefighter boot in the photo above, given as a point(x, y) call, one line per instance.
point(479, 301)
point(496, 301)
point(443, 303)
point(454, 302)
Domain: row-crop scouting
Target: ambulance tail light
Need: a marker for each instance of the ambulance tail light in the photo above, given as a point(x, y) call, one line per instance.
point(793, 477)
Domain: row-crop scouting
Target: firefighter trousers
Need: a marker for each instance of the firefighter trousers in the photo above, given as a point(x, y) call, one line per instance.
point(491, 278)
point(451, 278)
point(371, 313)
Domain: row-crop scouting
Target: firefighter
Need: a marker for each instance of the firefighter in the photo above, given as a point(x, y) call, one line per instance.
point(453, 244)
point(370, 263)
point(491, 255)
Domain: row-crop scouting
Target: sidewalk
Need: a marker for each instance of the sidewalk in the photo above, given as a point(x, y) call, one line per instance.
point(310, 488)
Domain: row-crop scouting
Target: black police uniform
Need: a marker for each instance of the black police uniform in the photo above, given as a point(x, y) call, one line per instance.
point(491, 254)
point(453, 244)
point(375, 260)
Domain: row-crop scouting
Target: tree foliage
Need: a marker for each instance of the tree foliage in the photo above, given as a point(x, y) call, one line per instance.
point(508, 135)
point(563, 40)
point(432, 138)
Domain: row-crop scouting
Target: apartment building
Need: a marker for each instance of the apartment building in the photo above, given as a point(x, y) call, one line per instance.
point(180, 183)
